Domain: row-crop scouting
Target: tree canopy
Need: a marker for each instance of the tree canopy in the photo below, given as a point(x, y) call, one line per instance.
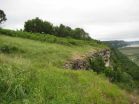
point(2, 16)
point(40, 26)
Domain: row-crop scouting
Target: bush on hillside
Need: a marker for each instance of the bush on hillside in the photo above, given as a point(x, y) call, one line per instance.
point(4, 48)
point(97, 64)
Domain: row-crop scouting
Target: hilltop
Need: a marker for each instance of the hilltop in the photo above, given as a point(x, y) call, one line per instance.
point(32, 71)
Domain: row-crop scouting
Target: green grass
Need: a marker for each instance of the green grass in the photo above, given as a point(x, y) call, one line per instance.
point(132, 53)
point(52, 39)
point(33, 73)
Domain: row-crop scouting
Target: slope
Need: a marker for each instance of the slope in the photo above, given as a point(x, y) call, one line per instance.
point(32, 72)
point(132, 53)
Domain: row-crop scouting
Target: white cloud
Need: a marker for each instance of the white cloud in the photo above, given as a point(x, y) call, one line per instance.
point(103, 19)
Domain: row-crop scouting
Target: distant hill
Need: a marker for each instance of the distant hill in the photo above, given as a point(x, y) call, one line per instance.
point(119, 44)
point(134, 42)
point(116, 43)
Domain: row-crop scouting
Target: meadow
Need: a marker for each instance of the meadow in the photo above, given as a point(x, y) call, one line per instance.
point(31, 72)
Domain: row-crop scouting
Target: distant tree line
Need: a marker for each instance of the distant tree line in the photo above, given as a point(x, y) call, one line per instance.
point(39, 26)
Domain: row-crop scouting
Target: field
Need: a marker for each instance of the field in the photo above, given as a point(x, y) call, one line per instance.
point(31, 72)
point(132, 53)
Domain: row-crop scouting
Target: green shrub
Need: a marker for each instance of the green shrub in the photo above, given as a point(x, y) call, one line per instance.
point(97, 64)
point(4, 48)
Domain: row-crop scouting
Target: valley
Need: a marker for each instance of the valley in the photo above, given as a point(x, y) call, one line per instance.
point(132, 51)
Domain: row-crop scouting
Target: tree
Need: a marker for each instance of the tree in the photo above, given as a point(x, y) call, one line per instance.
point(79, 33)
point(39, 26)
point(34, 25)
point(2, 16)
point(63, 31)
point(47, 27)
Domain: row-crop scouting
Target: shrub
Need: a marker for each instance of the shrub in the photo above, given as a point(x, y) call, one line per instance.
point(97, 64)
point(9, 49)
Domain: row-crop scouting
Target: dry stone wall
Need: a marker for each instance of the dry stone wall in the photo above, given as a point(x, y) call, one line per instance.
point(82, 63)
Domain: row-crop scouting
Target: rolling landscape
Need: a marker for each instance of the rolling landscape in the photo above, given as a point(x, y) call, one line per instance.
point(32, 71)
point(132, 51)
point(73, 52)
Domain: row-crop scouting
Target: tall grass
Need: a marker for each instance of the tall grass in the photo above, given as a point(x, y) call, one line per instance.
point(37, 76)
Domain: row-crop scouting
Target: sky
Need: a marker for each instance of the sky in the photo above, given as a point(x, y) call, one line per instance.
point(102, 19)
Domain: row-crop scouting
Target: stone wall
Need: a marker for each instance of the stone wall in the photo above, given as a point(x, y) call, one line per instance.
point(83, 63)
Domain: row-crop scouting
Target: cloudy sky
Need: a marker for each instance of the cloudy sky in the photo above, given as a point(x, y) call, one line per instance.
point(102, 19)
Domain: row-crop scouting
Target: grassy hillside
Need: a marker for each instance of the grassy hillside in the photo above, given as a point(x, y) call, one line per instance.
point(31, 72)
point(125, 72)
point(132, 53)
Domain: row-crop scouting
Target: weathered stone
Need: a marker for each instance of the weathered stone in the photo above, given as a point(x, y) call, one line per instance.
point(82, 62)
